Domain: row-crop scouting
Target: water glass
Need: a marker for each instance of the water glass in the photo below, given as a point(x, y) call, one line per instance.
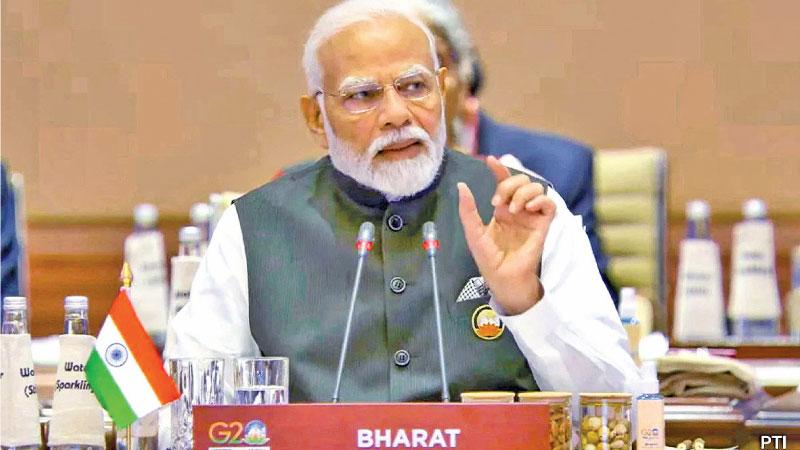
point(200, 382)
point(261, 381)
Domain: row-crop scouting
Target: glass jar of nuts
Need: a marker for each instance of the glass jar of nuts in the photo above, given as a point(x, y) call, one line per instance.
point(560, 415)
point(606, 421)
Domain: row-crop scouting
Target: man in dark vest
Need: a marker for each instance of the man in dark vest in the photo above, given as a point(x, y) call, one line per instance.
point(523, 305)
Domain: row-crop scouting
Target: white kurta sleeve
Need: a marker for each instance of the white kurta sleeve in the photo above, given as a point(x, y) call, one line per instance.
point(573, 338)
point(215, 320)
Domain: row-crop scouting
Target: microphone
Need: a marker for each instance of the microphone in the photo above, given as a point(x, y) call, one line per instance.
point(431, 245)
point(366, 235)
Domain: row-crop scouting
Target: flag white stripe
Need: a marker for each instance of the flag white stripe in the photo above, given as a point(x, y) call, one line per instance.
point(129, 376)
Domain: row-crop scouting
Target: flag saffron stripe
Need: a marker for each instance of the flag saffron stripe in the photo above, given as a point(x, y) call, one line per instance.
point(108, 393)
point(142, 348)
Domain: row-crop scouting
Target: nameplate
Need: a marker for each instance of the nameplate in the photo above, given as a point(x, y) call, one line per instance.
point(373, 426)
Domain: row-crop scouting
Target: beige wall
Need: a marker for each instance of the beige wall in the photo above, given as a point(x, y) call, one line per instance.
point(106, 104)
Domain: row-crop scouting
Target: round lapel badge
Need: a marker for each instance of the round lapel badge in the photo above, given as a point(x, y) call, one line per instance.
point(485, 323)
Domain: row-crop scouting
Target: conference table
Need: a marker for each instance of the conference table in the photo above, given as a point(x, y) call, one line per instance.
point(721, 423)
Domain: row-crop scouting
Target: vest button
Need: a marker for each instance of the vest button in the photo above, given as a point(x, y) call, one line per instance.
point(402, 358)
point(397, 285)
point(395, 222)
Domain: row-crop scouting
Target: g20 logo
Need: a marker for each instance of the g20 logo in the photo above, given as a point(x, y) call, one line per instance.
point(234, 433)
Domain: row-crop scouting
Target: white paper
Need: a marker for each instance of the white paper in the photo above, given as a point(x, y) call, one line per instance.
point(144, 252)
point(77, 416)
point(754, 286)
point(699, 305)
point(19, 403)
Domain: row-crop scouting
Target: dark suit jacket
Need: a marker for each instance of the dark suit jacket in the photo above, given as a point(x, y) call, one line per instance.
point(567, 164)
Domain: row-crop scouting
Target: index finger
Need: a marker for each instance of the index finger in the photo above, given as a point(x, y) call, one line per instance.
point(500, 171)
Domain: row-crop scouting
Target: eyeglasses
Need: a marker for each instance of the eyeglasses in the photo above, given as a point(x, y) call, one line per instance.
point(360, 98)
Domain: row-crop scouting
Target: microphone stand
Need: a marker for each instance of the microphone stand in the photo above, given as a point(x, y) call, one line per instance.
point(366, 234)
point(431, 244)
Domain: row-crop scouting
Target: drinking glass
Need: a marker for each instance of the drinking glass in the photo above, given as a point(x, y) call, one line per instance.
point(261, 381)
point(200, 382)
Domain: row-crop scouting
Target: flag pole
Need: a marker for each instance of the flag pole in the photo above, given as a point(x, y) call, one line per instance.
point(126, 278)
point(135, 429)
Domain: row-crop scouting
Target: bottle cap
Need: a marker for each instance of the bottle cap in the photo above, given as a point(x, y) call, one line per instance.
point(648, 383)
point(200, 213)
point(754, 208)
point(653, 346)
point(76, 302)
point(627, 303)
point(145, 215)
point(215, 199)
point(697, 210)
point(189, 235)
point(15, 303)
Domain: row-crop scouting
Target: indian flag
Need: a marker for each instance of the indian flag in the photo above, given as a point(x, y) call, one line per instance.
point(125, 370)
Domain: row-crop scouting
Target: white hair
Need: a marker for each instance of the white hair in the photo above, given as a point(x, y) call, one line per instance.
point(347, 13)
point(442, 15)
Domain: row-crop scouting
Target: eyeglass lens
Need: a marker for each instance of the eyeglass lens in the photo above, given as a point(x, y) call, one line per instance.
point(362, 98)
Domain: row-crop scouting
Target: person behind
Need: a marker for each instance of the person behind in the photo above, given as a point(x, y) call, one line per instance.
point(10, 245)
point(278, 271)
point(564, 162)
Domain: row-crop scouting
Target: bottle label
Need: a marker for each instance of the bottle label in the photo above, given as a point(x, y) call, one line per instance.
point(79, 384)
point(77, 416)
point(19, 402)
point(650, 426)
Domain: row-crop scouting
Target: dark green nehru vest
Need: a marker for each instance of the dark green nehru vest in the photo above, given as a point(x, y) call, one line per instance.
point(299, 237)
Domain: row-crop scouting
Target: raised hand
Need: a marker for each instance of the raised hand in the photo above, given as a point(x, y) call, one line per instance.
point(508, 251)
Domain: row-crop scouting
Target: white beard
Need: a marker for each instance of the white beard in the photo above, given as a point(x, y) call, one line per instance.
point(394, 179)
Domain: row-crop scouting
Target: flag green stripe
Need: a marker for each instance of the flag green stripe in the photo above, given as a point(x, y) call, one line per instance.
point(107, 391)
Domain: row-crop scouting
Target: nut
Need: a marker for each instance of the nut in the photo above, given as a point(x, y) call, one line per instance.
point(560, 427)
point(613, 436)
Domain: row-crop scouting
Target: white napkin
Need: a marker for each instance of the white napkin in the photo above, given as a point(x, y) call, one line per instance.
point(19, 421)
point(145, 253)
point(754, 286)
point(183, 271)
point(699, 306)
point(77, 416)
